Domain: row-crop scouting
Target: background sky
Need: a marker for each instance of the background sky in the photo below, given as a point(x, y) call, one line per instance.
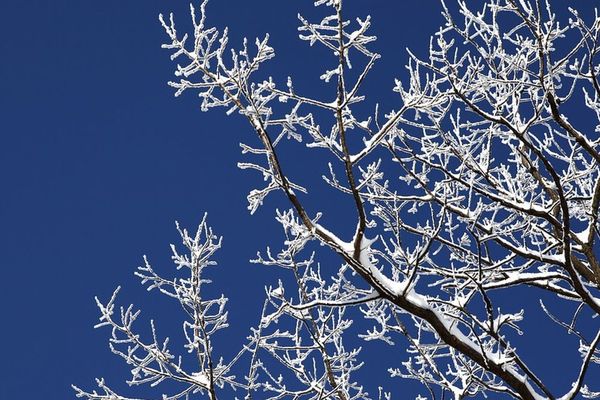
point(97, 161)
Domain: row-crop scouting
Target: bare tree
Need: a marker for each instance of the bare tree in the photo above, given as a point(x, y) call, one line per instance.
point(476, 184)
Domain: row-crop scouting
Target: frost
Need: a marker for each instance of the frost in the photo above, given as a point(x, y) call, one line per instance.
point(478, 181)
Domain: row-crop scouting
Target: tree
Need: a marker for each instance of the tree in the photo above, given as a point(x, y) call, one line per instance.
point(482, 182)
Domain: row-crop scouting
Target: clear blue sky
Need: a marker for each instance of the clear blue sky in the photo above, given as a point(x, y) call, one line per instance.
point(97, 160)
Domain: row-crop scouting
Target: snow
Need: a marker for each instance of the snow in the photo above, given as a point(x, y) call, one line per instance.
point(583, 235)
point(201, 378)
point(510, 205)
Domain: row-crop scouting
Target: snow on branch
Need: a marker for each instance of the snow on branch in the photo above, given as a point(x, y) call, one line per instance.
point(481, 182)
point(152, 361)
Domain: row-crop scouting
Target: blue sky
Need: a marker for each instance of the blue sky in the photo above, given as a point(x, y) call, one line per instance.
point(97, 161)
